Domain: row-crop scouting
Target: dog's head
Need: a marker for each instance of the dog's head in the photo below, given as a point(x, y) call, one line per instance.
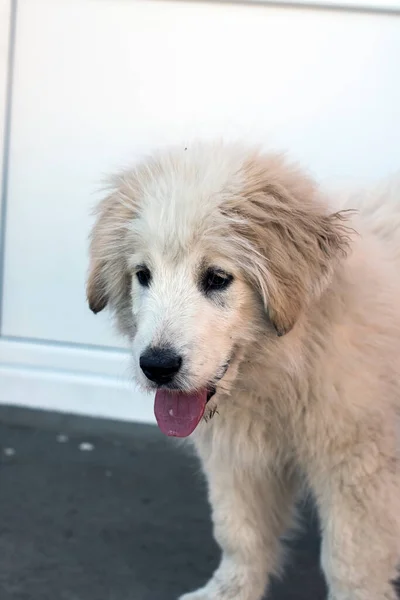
point(198, 253)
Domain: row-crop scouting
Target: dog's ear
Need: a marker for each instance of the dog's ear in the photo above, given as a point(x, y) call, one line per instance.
point(291, 241)
point(107, 278)
point(100, 252)
point(301, 264)
point(96, 291)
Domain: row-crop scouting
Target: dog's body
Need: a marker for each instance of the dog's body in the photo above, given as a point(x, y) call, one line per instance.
point(289, 310)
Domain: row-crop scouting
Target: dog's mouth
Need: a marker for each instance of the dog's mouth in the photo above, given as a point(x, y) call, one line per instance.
point(179, 412)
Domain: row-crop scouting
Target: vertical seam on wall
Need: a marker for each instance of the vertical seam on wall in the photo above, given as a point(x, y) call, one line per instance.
point(6, 147)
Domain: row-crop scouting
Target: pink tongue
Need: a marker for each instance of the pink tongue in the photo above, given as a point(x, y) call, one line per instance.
point(178, 413)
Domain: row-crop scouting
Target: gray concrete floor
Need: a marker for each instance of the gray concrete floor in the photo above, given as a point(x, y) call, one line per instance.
point(126, 520)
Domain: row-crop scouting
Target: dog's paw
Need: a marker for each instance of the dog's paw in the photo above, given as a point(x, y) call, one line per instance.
point(231, 581)
point(225, 592)
point(197, 595)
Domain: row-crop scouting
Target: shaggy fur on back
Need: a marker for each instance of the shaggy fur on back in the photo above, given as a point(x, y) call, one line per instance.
point(309, 328)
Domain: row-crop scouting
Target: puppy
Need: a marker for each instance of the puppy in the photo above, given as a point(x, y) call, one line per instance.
point(266, 319)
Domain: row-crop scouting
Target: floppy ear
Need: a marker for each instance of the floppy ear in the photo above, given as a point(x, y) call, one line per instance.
point(302, 264)
point(292, 242)
point(108, 279)
point(100, 252)
point(95, 288)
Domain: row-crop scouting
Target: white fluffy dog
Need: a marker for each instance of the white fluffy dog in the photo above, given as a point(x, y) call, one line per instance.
point(266, 319)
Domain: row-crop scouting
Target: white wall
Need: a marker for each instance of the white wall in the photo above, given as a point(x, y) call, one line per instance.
point(5, 22)
point(96, 83)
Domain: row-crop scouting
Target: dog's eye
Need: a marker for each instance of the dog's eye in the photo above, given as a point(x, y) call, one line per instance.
point(143, 276)
point(216, 280)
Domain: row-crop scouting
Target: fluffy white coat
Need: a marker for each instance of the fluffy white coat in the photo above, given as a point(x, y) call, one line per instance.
point(310, 326)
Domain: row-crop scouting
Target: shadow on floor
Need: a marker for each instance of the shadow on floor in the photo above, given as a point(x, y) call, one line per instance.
point(123, 517)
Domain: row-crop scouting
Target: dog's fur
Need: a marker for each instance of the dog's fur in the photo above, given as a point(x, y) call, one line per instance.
point(311, 325)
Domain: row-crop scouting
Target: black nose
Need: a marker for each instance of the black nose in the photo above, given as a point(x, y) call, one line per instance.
point(160, 365)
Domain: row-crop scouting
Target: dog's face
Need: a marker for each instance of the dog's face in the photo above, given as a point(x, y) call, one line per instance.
point(189, 305)
point(199, 253)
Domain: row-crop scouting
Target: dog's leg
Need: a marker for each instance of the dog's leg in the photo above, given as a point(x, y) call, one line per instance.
point(252, 507)
point(360, 520)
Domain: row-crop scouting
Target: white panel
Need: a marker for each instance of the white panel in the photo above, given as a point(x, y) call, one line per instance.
point(98, 83)
point(73, 394)
point(60, 357)
point(72, 380)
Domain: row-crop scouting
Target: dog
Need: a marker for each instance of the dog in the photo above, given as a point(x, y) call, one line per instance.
point(264, 314)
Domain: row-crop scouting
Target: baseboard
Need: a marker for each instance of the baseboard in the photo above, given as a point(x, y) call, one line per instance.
point(68, 379)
